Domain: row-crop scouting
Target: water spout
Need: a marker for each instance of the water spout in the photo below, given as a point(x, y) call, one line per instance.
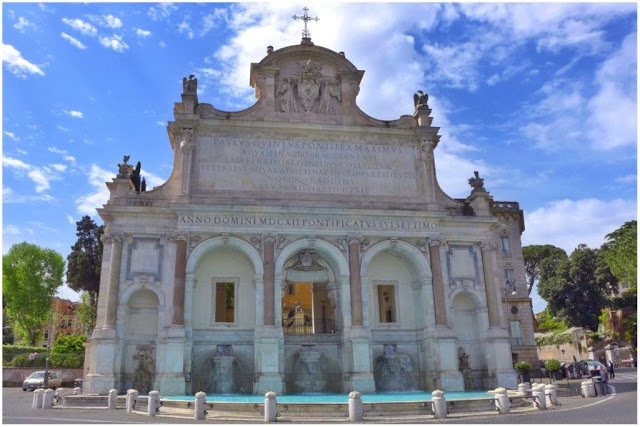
point(394, 371)
point(308, 373)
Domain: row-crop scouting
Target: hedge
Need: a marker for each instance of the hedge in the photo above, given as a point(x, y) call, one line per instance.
point(11, 351)
point(68, 360)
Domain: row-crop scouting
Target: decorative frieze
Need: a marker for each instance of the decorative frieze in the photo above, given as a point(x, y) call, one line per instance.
point(113, 237)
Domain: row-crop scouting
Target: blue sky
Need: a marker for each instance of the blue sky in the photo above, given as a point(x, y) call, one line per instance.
point(540, 98)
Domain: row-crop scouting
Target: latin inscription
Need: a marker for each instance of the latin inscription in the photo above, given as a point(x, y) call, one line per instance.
point(302, 222)
point(306, 167)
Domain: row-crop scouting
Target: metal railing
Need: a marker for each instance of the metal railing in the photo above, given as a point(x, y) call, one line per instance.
point(308, 325)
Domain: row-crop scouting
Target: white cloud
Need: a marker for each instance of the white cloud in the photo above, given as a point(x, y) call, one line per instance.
point(70, 159)
point(74, 42)
point(59, 167)
point(212, 20)
point(57, 150)
point(627, 179)
point(74, 113)
point(112, 21)
point(162, 44)
point(161, 11)
point(62, 129)
point(87, 204)
point(24, 24)
point(567, 223)
point(14, 163)
point(10, 196)
point(11, 135)
point(40, 175)
point(114, 42)
point(161, 123)
point(16, 64)
point(11, 229)
point(40, 178)
point(184, 27)
point(613, 110)
point(143, 34)
point(71, 220)
point(65, 155)
point(81, 26)
point(44, 8)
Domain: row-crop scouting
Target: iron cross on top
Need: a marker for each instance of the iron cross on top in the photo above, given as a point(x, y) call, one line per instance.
point(305, 34)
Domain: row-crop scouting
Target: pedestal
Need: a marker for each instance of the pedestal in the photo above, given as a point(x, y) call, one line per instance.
point(269, 348)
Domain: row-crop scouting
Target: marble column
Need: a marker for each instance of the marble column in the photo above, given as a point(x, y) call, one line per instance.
point(354, 280)
point(179, 279)
point(269, 279)
point(116, 240)
point(487, 248)
point(438, 285)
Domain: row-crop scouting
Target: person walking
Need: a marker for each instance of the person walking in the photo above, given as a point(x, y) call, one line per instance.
point(612, 373)
point(605, 378)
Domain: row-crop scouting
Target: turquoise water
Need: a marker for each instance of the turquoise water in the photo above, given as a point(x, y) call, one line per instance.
point(409, 396)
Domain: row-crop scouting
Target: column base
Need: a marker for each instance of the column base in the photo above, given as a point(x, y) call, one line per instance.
point(450, 381)
point(362, 382)
point(268, 382)
point(172, 384)
point(98, 384)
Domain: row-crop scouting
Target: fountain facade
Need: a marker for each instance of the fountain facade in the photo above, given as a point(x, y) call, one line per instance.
point(223, 371)
point(308, 373)
point(394, 371)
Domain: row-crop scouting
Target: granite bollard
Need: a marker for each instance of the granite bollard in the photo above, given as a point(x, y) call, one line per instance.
point(538, 396)
point(439, 404)
point(356, 411)
point(502, 400)
point(270, 407)
point(47, 399)
point(77, 391)
point(153, 403)
point(551, 394)
point(36, 394)
point(200, 412)
point(132, 399)
point(113, 399)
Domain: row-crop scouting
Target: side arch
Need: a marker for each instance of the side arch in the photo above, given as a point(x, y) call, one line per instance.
point(408, 252)
point(128, 293)
point(229, 242)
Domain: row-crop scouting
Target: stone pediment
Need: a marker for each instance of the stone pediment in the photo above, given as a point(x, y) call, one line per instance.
point(305, 84)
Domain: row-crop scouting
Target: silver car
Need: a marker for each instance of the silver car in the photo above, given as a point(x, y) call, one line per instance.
point(36, 380)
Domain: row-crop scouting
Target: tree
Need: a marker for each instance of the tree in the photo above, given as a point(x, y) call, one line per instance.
point(85, 260)
point(533, 257)
point(576, 287)
point(69, 344)
point(86, 312)
point(620, 252)
point(30, 278)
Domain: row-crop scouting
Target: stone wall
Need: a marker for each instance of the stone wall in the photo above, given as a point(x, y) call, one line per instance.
point(15, 376)
point(554, 351)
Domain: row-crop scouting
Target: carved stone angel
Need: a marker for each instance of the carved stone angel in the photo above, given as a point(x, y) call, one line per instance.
point(329, 91)
point(287, 100)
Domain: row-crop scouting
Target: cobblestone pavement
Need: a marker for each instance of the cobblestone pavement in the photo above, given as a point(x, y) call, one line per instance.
point(618, 408)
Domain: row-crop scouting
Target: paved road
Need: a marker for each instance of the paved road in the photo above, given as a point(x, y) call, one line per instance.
point(619, 409)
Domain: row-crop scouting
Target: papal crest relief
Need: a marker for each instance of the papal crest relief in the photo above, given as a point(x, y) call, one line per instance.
point(310, 86)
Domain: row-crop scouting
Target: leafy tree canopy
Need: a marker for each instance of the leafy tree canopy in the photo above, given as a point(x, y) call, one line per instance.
point(86, 312)
point(533, 257)
point(69, 344)
point(620, 252)
point(30, 277)
point(576, 287)
point(546, 322)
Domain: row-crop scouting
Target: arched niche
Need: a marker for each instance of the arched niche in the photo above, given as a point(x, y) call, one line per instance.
point(469, 327)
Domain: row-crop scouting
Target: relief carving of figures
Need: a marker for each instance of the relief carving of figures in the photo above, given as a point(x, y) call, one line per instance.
point(186, 138)
point(288, 102)
point(329, 91)
point(309, 84)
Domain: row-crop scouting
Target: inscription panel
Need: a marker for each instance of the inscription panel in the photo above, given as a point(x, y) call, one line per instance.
point(317, 168)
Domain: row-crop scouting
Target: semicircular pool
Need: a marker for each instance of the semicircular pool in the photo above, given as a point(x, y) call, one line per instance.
point(408, 396)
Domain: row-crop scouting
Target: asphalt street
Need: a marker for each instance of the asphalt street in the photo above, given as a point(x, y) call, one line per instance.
point(620, 408)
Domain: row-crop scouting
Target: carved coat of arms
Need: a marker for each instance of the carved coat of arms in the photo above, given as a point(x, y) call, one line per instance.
point(309, 84)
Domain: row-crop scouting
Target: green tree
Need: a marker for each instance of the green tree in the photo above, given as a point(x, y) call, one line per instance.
point(620, 252)
point(84, 262)
point(86, 312)
point(30, 278)
point(533, 257)
point(69, 344)
point(576, 287)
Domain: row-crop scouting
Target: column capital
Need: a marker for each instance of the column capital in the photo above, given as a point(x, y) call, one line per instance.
point(487, 245)
point(177, 235)
point(269, 238)
point(113, 237)
point(437, 241)
point(354, 238)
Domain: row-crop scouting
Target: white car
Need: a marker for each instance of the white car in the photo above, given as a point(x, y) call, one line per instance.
point(36, 380)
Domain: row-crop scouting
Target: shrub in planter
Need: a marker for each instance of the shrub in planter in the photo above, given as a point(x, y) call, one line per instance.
point(554, 367)
point(523, 369)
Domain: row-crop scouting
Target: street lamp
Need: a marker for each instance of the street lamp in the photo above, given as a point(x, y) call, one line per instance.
point(45, 383)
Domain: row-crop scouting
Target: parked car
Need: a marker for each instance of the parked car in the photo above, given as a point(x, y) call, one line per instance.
point(589, 366)
point(36, 380)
